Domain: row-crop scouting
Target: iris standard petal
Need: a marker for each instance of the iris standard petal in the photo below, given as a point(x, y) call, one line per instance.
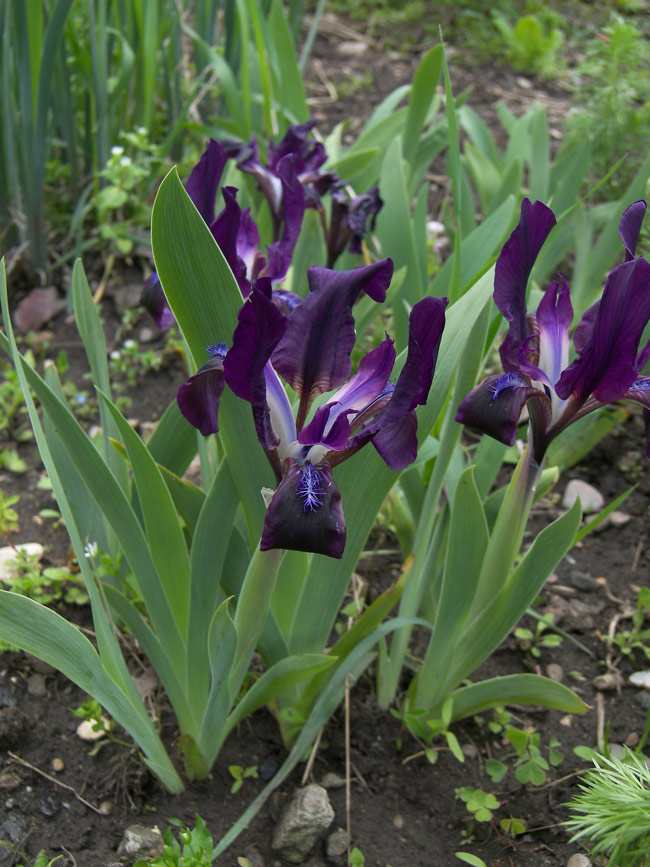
point(225, 231)
point(495, 405)
point(309, 154)
point(513, 271)
point(153, 300)
point(630, 227)
point(329, 427)
point(305, 512)
point(370, 379)
point(314, 353)
point(198, 398)
point(260, 327)
point(393, 430)
point(204, 179)
point(553, 318)
point(606, 367)
point(293, 211)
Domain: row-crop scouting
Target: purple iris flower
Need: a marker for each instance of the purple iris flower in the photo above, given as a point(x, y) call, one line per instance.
point(310, 349)
point(234, 230)
point(535, 352)
point(308, 156)
point(350, 220)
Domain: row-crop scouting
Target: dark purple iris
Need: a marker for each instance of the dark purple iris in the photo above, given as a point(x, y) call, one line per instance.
point(535, 352)
point(310, 349)
point(234, 230)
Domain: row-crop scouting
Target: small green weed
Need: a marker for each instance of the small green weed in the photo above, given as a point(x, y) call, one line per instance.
point(479, 803)
point(636, 640)
point(424, 731)
point(8, 516)
point(532, 642)
point(240, 774)
point(52, 584)
point(532, 45)
point(196, 851)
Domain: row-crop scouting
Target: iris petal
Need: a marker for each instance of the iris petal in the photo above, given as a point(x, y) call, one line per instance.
point(305, 512)
point(153, 300)
point(494, 406)
point(260, 327)
point(314, 353)
point(630, 227)
point(513, 271)
point(204, 179)
point(606, 367)
point(198, 398)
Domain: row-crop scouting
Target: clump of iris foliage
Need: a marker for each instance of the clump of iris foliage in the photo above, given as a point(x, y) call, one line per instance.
point(276, 256)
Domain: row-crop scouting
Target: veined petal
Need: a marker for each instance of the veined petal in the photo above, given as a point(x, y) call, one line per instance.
point(305, 512)
point(606, 367)
point(153, 300)
point(393, 430)
point(260, 327)
point(585, 327)
point(630, 227)
point(329, 427)
point(225, 231)
point(314, 353)
point(282, 420)
point(204, 179)
point(370, 379)
point(554, 317)
point(495, 405)
point(198, 398)
point(513, 270)
point(293, 210)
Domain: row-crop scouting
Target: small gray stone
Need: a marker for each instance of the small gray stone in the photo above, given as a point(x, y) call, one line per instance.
point(7, 696)
point(14, 828)
point(9, 781)
point(469, 751)
point(578, 861)
point(592, 500)
point(584, 581)
point(36, 685)
point(337, 844)
point(147, 335)
point(332, 781)
point(48, 806)
point(140, 840)
point(555, 672)
point(303, 819)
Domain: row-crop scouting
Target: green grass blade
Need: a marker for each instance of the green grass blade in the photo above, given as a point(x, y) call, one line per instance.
point(423, 91)
point(222, 645)
point(209, 547)
point(165, 537)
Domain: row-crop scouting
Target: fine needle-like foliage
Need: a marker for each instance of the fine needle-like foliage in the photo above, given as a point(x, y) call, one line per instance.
point(611, 814)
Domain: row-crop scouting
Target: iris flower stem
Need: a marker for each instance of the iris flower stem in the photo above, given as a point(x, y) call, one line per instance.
point(506, 537)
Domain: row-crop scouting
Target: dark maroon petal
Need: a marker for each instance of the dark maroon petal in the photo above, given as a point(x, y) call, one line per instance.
point(513, 270)
point(494, 406)
point(630, 227)
point(198, 398)
point(286, 300)
point(314, 354)
point(153, 300)
point(315, 432)
point(225, 231)
point(309, 153)
point(606, 367)
point(397, 443)
point(293, 210)
point(393, 430)
point(585, 327)
point(305, 513)
point(260, 327)
point(362, 216)
point(204, 180)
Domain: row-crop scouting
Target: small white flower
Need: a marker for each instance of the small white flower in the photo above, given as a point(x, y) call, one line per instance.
point(115, 355)
point(117, 150)
point(141, 130)
point(90, 550)
point(130, 344)
point(125, 161)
